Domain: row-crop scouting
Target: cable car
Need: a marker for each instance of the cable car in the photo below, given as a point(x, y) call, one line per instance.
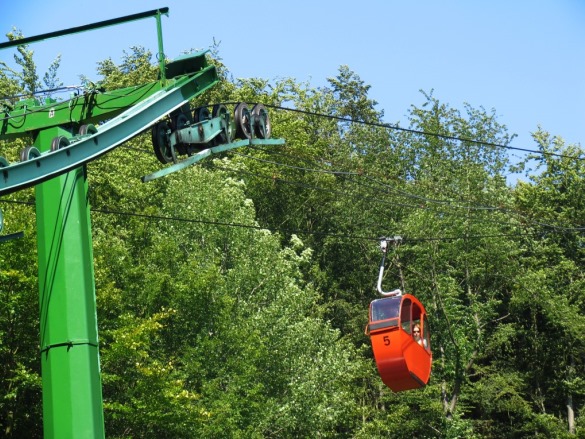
point(403, 355)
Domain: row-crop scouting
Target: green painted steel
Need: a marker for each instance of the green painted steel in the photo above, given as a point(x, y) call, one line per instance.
point(84, 28)
point(206, 153)
point(72, 392)
point(200, 133)
point(109, 135)
point(89, 107)
point(94, 106)
point(72, 396)
point(161, 52)
point(11, 236)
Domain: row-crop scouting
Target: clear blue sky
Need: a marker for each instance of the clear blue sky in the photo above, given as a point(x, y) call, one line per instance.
point(524, 58)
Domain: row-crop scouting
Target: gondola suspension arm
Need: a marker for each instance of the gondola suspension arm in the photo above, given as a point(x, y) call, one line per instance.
point(384, 247)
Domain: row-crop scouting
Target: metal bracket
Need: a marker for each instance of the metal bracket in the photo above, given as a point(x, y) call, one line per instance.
point(10, 237)
point(384, 247)
point(206, 153)
point(199, 133)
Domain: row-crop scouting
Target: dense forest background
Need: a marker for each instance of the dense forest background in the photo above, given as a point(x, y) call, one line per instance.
point(233, 295)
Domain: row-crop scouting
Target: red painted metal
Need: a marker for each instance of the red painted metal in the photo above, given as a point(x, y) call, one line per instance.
point(403, 362)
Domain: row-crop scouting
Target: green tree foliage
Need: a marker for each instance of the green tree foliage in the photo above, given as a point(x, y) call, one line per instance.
point(551, 297)
point(20, 381)
point(222, 316)
point(232, 296)
point(27, 75)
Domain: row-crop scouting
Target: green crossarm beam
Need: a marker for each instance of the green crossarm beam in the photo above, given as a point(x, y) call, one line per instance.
point(31, 115)
point(110, 135)
point(72, 395)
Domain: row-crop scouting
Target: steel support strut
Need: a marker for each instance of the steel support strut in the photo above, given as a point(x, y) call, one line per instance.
point(72, 396)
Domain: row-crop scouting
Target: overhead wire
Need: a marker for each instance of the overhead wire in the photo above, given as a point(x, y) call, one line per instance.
point(110, 211)
point(349, 174)
point(373, 199)
point(307, 186)
point(363, 174)
point(448, 204)
point(306, 232)
point(422, 132)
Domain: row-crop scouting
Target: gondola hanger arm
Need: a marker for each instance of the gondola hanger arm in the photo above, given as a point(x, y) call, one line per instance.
point(384, 247)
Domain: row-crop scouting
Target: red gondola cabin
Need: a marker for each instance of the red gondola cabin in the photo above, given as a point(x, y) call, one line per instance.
point(403, 362)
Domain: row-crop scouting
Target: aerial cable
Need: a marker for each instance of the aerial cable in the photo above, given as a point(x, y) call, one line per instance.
point(304, 232)
point(361, 174)
point(420, 132)
point(311, 187)
point(447, 203)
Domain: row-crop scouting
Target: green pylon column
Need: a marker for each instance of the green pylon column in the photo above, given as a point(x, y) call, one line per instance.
point(72, 395)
